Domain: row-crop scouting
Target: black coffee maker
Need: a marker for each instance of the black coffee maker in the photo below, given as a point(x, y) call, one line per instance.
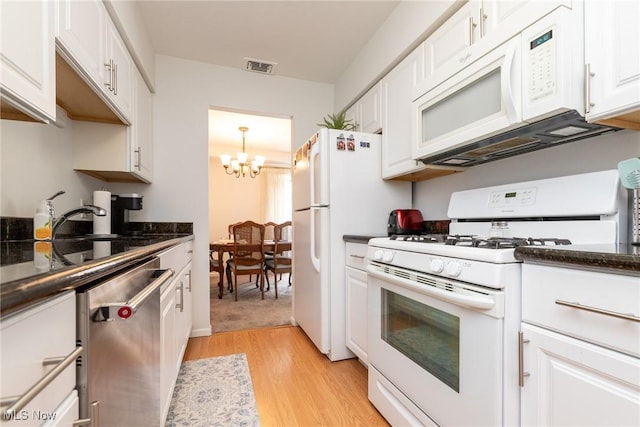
point(120, 207)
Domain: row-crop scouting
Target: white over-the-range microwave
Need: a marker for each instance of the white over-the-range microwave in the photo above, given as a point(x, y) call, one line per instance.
point(526, 94)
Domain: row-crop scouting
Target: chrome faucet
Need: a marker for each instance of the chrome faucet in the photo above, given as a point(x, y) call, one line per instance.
point(86, 209)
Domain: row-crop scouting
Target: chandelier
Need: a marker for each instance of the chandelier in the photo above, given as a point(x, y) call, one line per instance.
point(239, 166)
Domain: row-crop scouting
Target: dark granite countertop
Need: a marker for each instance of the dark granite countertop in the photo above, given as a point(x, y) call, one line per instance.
point(31, 271)
point(356, 238)
point(619, 258)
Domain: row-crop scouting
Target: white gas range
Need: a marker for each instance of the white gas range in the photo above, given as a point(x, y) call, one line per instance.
point(444, 311)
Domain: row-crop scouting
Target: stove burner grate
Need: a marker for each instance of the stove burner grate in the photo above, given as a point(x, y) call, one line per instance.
point(422, 238)
point(502, 242)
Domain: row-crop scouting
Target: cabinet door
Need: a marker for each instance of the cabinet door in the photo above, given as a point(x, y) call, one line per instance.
point(613, 59)
point(399, 132)
point(448, 49)
point(183, 306)
point(27, 339)
point(80, 35)
point(371, 111)
point(167, 348)
point(575, 383)
point(141, 156)
point(354, 114)
point(119, 82)
point(356, 302)
point(27, 62)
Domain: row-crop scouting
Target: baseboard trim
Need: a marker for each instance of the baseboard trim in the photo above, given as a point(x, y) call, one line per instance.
point(202, 332)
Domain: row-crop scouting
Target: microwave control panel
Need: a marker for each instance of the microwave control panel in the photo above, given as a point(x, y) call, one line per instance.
point(542, 65)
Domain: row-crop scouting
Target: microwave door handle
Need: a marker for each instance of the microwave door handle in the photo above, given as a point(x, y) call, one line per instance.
point(506, 83)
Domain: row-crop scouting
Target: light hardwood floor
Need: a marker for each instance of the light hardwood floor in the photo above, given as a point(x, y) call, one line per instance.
point(294, 384)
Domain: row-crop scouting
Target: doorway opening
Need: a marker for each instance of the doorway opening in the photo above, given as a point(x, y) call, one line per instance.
point(263, 198)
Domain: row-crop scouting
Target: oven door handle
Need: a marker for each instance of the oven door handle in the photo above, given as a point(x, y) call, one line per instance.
point(477, 302)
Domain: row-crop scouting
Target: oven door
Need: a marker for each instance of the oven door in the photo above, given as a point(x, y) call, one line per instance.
point(439, 342)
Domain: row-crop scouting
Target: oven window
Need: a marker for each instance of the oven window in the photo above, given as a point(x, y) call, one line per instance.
point(426, 335)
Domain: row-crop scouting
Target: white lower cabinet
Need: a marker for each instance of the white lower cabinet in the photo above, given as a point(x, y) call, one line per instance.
point(574, 383)
point(356, 299)
point(176, 304)
point(32, 343)
point(580, 347)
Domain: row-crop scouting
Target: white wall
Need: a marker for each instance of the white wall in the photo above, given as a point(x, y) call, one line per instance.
point(595, 154)
point(35, 163)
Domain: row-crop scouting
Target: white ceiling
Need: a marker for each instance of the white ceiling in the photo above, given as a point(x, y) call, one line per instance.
point(265, 132)
point(309, 40)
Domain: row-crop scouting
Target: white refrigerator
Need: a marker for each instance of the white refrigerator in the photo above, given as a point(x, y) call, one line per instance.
point(337, 190)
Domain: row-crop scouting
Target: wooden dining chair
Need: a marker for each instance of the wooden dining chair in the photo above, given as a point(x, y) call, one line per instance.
point(280, 262)
point(248, 254)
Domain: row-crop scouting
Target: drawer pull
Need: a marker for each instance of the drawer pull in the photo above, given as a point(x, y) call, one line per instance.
point(357, 256)
point(579, 306)
point(16, 404)
point(521, 373)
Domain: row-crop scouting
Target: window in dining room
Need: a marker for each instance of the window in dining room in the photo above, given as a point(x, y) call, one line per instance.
point(276, 195)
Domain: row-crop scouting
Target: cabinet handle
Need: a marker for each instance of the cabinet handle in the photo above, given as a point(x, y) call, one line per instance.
point(587, 88)
point(471, 25)
point(94, 421)
point(579, 306)
point(17, 403)
point(521, 373)
point(180, 305)
point(483, 17)
point(138, 156)
point(189, 274)
point(110, 67)
point(115, 78)
point(357, 256)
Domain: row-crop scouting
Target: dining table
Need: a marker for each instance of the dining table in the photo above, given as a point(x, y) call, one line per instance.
point(224, 246)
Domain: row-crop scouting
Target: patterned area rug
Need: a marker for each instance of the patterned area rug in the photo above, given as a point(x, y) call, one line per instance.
point(214, 392)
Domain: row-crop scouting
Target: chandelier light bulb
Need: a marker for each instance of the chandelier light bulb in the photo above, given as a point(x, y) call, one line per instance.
point(237, 166)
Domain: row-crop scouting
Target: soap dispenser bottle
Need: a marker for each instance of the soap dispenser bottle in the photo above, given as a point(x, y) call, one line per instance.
point(43, 218)
point(42, 221)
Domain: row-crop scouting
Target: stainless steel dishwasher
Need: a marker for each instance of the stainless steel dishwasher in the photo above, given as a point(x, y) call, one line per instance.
point(118, 373)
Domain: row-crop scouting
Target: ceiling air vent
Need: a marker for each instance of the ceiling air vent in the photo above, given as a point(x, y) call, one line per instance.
point(259, 66)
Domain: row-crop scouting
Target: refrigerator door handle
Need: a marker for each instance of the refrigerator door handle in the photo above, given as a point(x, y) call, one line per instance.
point(314, 152)
point(315, 260)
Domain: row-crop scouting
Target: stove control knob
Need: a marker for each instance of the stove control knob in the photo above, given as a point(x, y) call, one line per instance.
point(387, 257)
point(437, 265)
point(377, 255)
point(453, 269)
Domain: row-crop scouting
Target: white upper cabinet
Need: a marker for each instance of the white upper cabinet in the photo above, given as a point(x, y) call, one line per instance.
point(612, 56)
point(141, 147)
point(27, 59)
point(89, 41)
point(117, 153)
point(366, 113)
point(475, 29)
point(399, 132)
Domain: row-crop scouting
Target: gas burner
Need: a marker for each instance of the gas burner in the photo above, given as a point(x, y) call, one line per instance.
point(421, 238)
point(502, 242)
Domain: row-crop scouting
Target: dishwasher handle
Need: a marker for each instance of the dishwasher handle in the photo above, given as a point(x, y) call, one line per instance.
point(124, 310)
